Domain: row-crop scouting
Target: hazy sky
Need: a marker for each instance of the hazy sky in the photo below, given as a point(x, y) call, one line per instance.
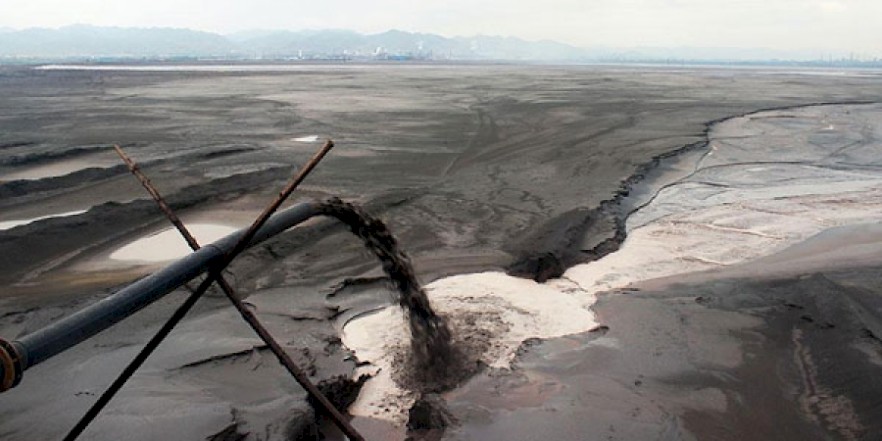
point(843, 25)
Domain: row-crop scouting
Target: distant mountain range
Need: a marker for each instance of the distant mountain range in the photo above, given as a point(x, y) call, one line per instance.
point(90, 41)
point(397, 43)
point(83, 42)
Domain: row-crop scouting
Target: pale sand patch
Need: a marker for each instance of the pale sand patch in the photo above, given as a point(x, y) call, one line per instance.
point(168, 245)
point(60, 167)
point(103, 265)
point(310, 138)
point(6, 225)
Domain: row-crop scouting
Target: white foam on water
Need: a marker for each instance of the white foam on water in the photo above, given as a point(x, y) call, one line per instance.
point(517, 308)
point(6, 225)
point(310, 138)
point(730, 210)
point(51, 170)
point(168, 244)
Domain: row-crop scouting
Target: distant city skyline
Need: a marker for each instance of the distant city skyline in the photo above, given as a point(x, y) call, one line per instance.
point(822, 26)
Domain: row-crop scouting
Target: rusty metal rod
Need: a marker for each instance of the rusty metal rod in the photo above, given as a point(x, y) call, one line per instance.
point(304, 171)
point(103, 314)
point(64, 333)
point(212, 275)
point(169, 213)
point(246, 313)
point(136, 362)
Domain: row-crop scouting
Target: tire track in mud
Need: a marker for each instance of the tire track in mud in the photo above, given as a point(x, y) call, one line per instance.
point(486, 133)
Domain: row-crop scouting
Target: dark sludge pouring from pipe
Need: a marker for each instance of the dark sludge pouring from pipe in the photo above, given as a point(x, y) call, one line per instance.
point(430, 336)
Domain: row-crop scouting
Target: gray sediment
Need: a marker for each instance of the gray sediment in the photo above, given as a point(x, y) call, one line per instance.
point(558, 244)
point(781, 347)
point(519, 148)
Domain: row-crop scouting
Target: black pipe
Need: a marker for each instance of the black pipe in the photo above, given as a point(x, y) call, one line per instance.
point(42, 344)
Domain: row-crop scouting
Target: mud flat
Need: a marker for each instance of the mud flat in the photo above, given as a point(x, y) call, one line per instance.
point(767, 180)
point(475, 169)
point(51, 169)
point(741, 305)
point(5, 225)
point(165, 245)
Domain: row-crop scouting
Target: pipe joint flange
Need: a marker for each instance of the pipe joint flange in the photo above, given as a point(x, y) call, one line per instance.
point(11, 361)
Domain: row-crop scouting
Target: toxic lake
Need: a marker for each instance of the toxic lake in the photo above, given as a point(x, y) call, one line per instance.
point(620, 252)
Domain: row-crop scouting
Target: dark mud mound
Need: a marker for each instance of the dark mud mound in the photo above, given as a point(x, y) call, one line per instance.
point(341, 390)
point(577, 236)
point(430, 336)
point(584, 235)
point(24, 187)
point(43, 154)
point(428, 418)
